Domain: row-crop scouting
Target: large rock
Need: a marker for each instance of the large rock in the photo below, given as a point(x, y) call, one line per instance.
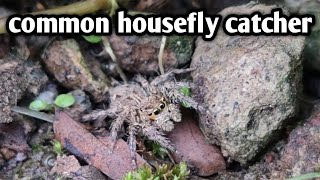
point(249, 84)
point(18, 77)
point(139, 54)
point(302, 153)
point(66, 63)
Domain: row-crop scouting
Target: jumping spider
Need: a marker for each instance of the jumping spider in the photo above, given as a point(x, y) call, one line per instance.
point(149, 109)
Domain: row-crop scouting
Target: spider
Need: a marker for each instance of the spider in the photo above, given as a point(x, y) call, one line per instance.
point(149, 108)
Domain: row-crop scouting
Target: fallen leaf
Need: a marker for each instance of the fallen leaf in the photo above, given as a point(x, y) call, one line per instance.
point(193, 148)
point(96, 152)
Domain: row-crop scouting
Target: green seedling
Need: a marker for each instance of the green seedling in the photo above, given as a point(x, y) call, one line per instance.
point(64, 100)
point(57, 147)
point(180, 171)
point(177, 172)
point(39, 105)
point(185, 91)
point(93, 39)
point(156, 149)
point(36, 148)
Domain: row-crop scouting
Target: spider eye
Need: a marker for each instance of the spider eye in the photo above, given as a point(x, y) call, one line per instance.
point(162, 105)
point(156, 112)
point(150, 114)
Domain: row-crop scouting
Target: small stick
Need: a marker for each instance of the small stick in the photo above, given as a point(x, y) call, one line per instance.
point(109, 50)
point(160, 55)
point(35, 114)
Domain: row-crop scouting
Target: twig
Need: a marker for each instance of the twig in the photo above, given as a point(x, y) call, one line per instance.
point(35, 114)
point(109, 50)
point(78, 8)
point(160, 55)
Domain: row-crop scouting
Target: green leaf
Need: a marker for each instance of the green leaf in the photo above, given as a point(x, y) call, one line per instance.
point(128, 176)
point(38, 105)
point(305, 176)
point(64, 100)
point(92, 39)
point(185, 91)
point(181, 170)
point(57, 146)
point(158, 150)
point(164, 171)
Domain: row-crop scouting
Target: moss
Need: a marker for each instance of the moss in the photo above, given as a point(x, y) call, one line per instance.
point(177, 172)
point(182, 47)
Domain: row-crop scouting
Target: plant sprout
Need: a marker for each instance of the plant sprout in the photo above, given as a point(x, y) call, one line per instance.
point(185, 91)
point(57, 146)
point(39, 105)
point(64, 100)
point(177, 172)
point(93, 39)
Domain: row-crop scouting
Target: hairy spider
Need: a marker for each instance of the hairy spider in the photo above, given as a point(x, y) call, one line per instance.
point(149, 108)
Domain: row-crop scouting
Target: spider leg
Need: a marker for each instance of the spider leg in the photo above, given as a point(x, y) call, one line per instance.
point(133, 144)
point(144, 83)
point(99, 114)
point(179, 98)
point(115, 128)
point(175, 112)
point(153, 134)
point(169, 75)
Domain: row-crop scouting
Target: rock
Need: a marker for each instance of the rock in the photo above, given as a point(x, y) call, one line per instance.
point(88, 172)
point(250, 85)
point(139, 54)
point(7, 153)
point(81, 106)
point(2, 161)
point(64, 60)
point(4, 44)
point(150, 5)
point(17, 77)
point(21, 157)
point(14, 137)
point(188, 139)
point(305, 7)
point(66, 165)
point(302, 153)
point(312, 54)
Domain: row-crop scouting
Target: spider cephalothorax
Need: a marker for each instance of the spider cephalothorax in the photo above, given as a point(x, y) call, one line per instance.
point(148, 108)
point(160, 112)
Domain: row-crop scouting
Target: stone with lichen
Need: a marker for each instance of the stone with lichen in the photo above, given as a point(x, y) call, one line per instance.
point(17, 76)
point(66, 63)
point(139, 54)
point(250, 84)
